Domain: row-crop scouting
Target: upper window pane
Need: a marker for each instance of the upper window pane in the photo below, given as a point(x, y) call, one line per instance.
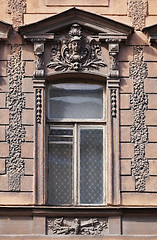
point(76, 100)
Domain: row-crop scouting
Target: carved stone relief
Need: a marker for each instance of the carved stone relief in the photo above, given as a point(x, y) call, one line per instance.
point(113, 103)
point(38, 105)
point(69, 226)
point(138, 10)
point(139, 131)
point(113, 46)
point(39, 63)
point(17, 8)
point(15, 132)
point(76, 52)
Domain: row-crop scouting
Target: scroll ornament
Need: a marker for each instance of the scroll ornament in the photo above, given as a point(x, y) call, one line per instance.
point(76, 52)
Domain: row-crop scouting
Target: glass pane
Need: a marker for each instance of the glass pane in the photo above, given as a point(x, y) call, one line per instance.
point(75, 100)
point(91, 166)
point(60, 183)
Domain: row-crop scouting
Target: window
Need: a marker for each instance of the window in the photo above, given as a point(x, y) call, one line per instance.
point(76, 161)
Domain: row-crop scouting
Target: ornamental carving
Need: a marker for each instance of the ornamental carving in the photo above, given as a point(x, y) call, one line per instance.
point(17, 8)
point(62, 226)
point(39, 62)
point(138, 10)
point(38, 105)
point(113, 103)
point(139, 130)
point(76, 52)
point(15, 132)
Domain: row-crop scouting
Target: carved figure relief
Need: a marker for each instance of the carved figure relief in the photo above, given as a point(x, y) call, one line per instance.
point(39, 63)
point(138, 10)
point(139, 131)
point(15, 133)
point(76, 52)
point(62, 226)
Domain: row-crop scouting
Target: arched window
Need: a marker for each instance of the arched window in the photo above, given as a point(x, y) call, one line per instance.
point(76, 148)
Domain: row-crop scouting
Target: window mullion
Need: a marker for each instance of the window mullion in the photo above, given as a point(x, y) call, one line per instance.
point(75, 166)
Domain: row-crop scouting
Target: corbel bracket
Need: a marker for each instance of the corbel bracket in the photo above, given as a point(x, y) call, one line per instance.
point(39, 61)
point(113, 46)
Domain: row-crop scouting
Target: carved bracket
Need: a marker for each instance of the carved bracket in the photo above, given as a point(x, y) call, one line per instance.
point(113, 46)
point(62, 226)
point(76, 52)
point(39, 62)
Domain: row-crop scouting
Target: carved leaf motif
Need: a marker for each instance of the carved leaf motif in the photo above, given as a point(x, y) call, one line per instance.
point(76, 53)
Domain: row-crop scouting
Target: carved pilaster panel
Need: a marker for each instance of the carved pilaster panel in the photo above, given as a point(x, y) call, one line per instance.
point(113, 103)
point(17, 8)
point(138, 10)
point(38, 105)
point(76, 52)
point(39, 62)
point(83, 226)
point(15, 133)
point(113, 46)
point(139, 131)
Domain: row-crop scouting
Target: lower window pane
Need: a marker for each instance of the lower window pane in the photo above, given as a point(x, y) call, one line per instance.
point(91, 166)
point(60, 182)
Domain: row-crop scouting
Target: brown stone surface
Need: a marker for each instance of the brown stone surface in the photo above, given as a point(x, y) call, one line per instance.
point(152, 103)
point(139, 225)
point(150, 53)
point(27, 85)
point(126, 150)
point(151, 150)
point(125, 167)
point(139, 199)
point(29, 166)
point(124, 69)
point(124, 101)
point(2, 166)
point(16, 198)
point(126, 117)
point(2, 133)
point(4, 84)
point(29, 100)
point(152, 137)
point(153, 67)
point(138, 38)
point(27, 150)
point(4, 146)
point(152, 7)
point(2, 100)
point(150, 85)
point(153, 167)
point(125, 134)
point(29, 133)
point(127, 183)
point(126, 85)
point(29, 69)
point(28, 116)
point(4, 119)
point(151, 184)
point(151, 117)
point(27, 183)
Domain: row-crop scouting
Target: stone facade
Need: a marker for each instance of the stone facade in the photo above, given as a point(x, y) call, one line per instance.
point(117, 46)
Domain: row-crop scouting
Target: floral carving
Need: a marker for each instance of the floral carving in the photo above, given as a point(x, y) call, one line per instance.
point(61, 226)
point(17, 8)
point(139, 131)
point(138, 10)
point(76, 52)
point(15, 133)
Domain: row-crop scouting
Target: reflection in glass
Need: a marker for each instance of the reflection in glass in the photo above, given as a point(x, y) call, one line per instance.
point(76, 100)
